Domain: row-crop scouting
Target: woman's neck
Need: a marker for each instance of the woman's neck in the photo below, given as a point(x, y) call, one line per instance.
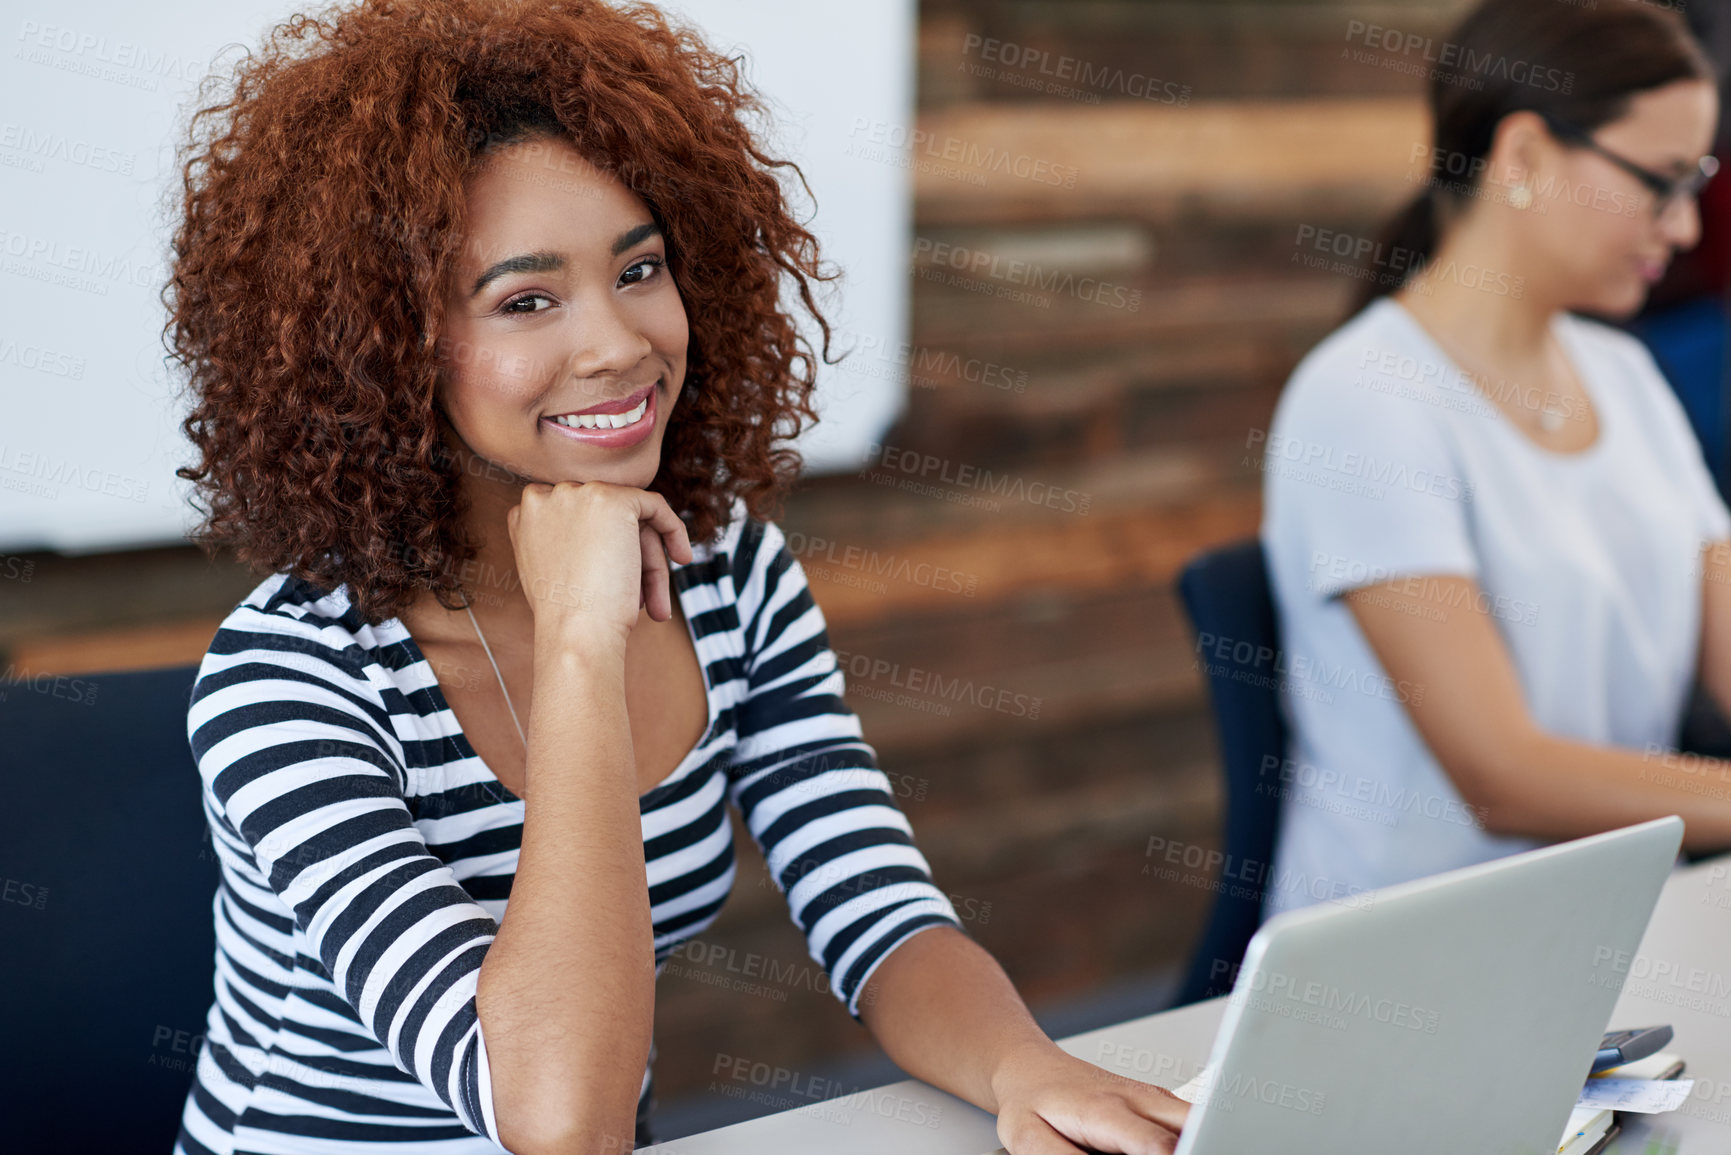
point(490, 578)
point(1477, 292)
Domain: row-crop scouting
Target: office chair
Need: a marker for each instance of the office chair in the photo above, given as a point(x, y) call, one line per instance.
point(107, 878)
point(1231, 608)
point(1688, 339)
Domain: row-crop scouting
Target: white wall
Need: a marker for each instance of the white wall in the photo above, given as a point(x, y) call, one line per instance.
point(91, 96)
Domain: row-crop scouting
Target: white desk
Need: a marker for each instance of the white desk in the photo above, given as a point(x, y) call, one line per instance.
point(1681, 976)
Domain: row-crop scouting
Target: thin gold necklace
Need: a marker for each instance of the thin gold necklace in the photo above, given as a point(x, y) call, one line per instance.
point(1551, 419)
point(488, 650)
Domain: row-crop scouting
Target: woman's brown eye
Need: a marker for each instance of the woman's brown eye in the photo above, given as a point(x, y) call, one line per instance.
point(650, 264)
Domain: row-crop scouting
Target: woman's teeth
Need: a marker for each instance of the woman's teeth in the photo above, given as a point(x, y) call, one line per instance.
point(604, 420)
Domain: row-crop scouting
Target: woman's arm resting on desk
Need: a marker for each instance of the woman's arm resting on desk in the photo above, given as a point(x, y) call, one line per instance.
point(946, 1013)
point(1472, 714)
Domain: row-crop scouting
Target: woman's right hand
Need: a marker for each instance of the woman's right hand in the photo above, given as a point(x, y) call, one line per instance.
point(591, 555)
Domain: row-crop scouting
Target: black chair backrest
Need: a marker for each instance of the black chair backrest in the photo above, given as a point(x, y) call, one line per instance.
point(107, 877)
point(1231, 607)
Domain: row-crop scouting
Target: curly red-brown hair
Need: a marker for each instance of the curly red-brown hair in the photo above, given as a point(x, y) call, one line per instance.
point(322, 210)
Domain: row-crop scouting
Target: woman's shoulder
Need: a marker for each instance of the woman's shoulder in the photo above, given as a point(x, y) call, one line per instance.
point(292, 606)
point(1374, 375)
point(1378, 340)
point(1640, 391)
point(750, 576)
point(1373, 336)
point(289, 659)
point(1606, 345)
point(741, 548)
point(288, 620)
point(1606, 338)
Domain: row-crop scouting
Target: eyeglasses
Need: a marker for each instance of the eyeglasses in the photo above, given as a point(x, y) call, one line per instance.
point(1666, 190)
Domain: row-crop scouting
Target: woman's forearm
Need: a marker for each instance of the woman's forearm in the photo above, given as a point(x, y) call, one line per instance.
point(1469, 707)
point(945, 1012)
point(566, 993)
point(1542, 786)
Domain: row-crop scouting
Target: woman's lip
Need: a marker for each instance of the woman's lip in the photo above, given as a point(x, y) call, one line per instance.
point(618, 405)
point(624, 438)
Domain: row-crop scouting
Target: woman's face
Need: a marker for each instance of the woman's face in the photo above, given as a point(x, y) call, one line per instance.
point(1602, 236)
point(564, 344)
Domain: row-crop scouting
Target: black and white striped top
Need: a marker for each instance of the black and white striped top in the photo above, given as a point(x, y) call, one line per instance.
point(367, 853)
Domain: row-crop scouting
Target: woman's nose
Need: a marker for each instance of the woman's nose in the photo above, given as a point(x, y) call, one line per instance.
point(607, 341)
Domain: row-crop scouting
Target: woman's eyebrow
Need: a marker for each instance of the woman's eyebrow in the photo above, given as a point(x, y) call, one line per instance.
point(538, 262)
point(632, 236)
point(550, 262)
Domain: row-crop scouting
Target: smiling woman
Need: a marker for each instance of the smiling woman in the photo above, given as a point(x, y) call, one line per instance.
point(481, 303)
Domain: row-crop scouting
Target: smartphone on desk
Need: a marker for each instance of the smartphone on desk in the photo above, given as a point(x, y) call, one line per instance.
point(1619, 1047)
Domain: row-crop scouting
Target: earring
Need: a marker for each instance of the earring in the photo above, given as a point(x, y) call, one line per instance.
point(1521, 197)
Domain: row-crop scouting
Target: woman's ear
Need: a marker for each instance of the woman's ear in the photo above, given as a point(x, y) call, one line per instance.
point(1521, 148)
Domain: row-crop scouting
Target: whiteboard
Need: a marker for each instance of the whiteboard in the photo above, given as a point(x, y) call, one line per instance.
point(91, 96)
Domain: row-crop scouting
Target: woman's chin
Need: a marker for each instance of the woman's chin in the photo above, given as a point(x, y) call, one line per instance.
point(631, 477)
point(1619, 301)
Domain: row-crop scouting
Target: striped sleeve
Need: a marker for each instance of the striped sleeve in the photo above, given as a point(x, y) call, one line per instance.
point(809, 787)
point(299, 756)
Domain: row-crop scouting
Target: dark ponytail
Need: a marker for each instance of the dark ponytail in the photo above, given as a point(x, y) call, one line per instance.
point(1580, 64)
point(1413, 233)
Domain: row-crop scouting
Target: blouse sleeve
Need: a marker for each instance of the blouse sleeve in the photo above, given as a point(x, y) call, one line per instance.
point(809, 787)
point(1362, 487)
point(297, 752)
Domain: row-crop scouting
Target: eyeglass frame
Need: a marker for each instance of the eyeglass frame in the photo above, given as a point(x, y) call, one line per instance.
point(1666, 190)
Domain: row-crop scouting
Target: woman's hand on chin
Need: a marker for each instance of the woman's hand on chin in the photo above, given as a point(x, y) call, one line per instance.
point(1052, 1103)
point(591, 555)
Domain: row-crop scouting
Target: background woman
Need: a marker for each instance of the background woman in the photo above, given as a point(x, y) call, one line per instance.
point(481, 303)
point(1498, 557)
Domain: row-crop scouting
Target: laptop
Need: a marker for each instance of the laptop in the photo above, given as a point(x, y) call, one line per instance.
point(1452, 1015)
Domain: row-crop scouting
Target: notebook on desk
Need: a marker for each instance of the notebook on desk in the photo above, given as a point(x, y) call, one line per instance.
point(1591, 1129)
